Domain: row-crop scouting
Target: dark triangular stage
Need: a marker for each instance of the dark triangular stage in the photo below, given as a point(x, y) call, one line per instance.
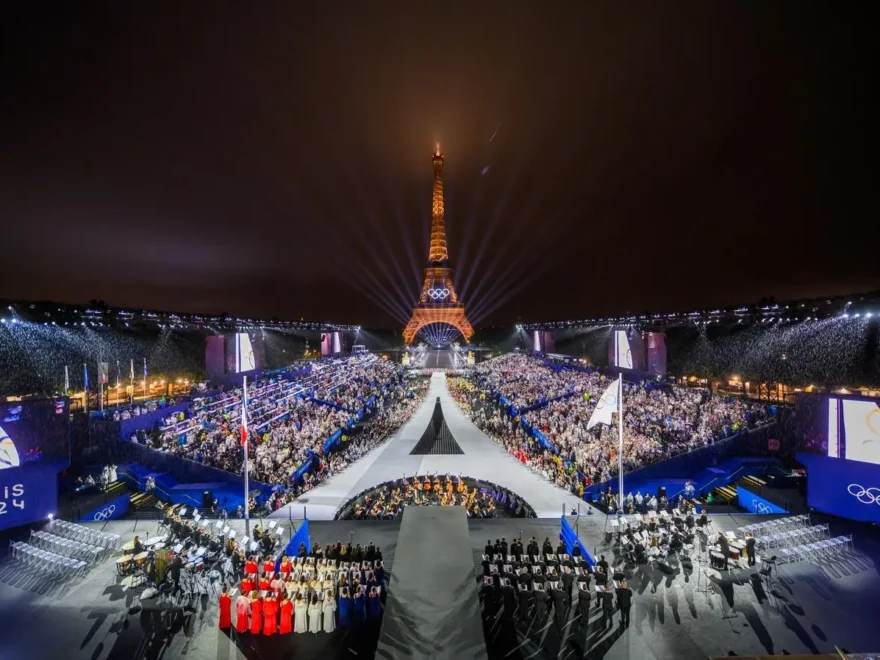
point(437, 438)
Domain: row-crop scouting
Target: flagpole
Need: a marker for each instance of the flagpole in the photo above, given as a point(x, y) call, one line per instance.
point(620, 446)
point(247, 521)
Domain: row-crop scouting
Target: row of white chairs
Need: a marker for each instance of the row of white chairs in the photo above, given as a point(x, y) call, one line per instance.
point(794, 537)
point(85, 534)
point(47, 562)
point(817, 551)
point(776, 525)
point(66, 547)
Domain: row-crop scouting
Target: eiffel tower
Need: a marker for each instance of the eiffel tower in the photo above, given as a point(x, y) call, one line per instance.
point(438, 303)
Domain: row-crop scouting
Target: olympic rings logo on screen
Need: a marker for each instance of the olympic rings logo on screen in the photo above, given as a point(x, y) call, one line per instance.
point(106, 513)
point(438, 294)
point(760, 507)
point(864, 495)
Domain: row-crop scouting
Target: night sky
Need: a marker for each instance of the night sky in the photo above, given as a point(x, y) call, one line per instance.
point(276, 160)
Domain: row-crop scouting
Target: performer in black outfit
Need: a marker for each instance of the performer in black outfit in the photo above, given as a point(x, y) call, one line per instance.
point(724, 544)
point(624, 601)
point(750, 548)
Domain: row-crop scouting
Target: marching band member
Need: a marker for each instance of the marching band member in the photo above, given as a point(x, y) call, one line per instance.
point(225, 609)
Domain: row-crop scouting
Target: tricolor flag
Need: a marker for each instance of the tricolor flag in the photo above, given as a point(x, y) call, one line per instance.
point(244, 429)
point(606, 406)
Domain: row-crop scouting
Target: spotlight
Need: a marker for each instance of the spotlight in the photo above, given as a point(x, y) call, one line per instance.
point(51, 517)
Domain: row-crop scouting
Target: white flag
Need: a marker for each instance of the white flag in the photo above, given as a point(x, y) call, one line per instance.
point(607, 405)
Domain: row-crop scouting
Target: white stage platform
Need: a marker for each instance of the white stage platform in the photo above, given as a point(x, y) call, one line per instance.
point(482, 459)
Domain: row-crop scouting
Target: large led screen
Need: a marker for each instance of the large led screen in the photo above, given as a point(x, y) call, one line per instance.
point(854, 429)
point(27, 494)
point(33, 431)
point(245, 359)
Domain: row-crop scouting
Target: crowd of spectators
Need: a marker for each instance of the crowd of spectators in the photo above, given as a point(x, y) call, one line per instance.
point(660, 421)
point(287, 425)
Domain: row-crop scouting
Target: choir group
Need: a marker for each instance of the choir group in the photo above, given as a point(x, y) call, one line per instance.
point(304, 594)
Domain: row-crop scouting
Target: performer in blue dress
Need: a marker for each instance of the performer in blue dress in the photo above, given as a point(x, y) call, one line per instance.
point(375, 607)
point(380, 575)
point(344, 609)
point(360, 607)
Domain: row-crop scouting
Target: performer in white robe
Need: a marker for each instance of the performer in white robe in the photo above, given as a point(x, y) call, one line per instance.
point(329, 612)
point(315, 615)
point(300, 615)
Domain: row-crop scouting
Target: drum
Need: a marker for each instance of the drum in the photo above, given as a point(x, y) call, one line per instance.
point(716, 559)
point(123, 564)
point(141, 559)
point(734, 553)
point(128, 548)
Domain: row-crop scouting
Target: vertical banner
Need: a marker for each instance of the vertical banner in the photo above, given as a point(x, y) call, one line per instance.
point(145, 378)
point(132, 380)
point(66, 380)
point(326, 344)
point(86, 387)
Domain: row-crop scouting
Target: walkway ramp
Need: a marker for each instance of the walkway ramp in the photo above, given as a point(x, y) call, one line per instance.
point(433, 608)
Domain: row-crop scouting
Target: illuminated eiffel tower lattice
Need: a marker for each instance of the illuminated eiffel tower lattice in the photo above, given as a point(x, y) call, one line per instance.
point(438, 304)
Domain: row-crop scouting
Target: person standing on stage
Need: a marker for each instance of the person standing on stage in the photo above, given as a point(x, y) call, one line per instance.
point(286, 608)
point(607, 608)
point(750, 548)
point(329, 610)
point(300, 616)
point(174, 570)
point(270, 615)
point(315, 615)
point(624, 602)
point(242, 609)
point(225, 609)
point(256, 613)
point(724, 544)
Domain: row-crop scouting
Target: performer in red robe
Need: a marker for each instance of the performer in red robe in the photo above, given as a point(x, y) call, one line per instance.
point(225, 609)
point(269, 565)
point(247, 586)
point(250, 567)
point(256, 613)
point(242, 607)
point(265, 583)
point(285, 567)
point(286, 616)
point(270, 615)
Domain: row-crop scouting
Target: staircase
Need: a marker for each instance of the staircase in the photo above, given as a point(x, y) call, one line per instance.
point(116, 488)
point(728, 494)
point(144, 501)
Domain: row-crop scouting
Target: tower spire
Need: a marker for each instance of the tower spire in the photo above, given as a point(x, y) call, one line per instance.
point(437, 252)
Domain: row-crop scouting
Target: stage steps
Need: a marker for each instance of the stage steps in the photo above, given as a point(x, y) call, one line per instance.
point(118, 487)
point(144, 500)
